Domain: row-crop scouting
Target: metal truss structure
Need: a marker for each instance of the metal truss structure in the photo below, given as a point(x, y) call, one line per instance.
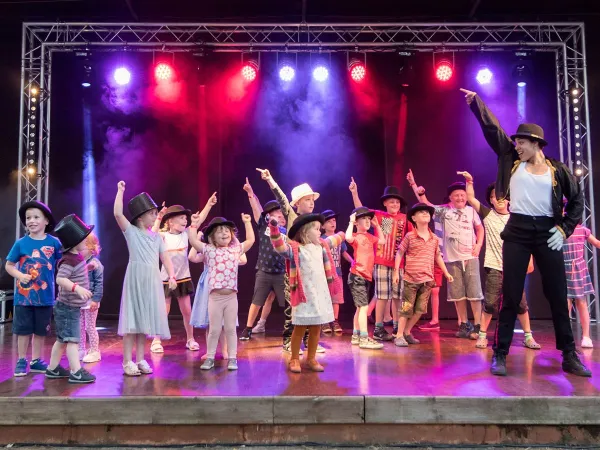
point(566, 40)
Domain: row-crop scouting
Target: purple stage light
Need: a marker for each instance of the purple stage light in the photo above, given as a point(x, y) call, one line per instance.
point(122, 76)
point(320, 73)
point(521, 84)
point(484, 76)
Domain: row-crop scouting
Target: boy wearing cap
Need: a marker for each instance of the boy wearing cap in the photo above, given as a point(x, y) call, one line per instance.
point(394, 227)
point(421, 250)
point(463, 235)
point(361, 273)
point(270, 265)
point(73, 282)
point(337, 253)
point(538, 226)
point(32, 262)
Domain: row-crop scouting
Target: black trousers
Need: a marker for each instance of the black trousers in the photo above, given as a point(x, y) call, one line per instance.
point(525, 236)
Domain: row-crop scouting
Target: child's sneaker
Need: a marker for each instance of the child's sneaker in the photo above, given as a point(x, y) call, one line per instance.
point(21, 367)
point(401, 342)
point(38, 365)
point(482, 342)
point(82, 376)
point(208, 364)
point(287, 347)
point(58, 372)
point(92, 357)
point(144, 367)
point(336, 327)
point(464, 330)
point(381, 334)
point(355, 339)
point(586, 342)
point(246, 334)
point(326, 328)
point(232, 364)
point(320, 349)
point(411, 339)
point(368, 343)
point(260, 327)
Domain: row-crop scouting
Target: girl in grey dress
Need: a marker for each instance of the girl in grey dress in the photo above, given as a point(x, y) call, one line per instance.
point(143, 310)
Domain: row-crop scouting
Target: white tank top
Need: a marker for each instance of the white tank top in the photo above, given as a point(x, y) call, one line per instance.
point(531, 195)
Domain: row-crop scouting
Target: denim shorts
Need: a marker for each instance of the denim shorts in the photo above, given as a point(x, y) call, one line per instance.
point(29, 320)
point(66, 319)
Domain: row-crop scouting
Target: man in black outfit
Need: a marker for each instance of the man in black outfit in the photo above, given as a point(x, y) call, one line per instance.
point(537, 226)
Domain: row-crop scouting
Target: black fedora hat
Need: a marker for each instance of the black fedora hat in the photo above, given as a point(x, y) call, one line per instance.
point(42, 207)
point(530, 131)
point(329, 214)
point(420, 207)
point(271, 206)
point(217, 222)
point(71, 230)
point(140, 204)
point(363, 211)
point(393, 192)
point(458, 186)
point(175, 210)
point(302, 220)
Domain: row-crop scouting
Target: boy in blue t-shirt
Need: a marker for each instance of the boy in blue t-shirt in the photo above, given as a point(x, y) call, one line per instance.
point(32, 262)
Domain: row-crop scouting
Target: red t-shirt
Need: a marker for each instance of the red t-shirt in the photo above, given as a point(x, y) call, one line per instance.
point(394, 228)
point(364, 245)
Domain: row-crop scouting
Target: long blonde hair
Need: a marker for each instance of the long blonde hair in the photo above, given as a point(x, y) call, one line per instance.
point(302, 234)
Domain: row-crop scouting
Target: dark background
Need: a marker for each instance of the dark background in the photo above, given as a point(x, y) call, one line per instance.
point(301, 135)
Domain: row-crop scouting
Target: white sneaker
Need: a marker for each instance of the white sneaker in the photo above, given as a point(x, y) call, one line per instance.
point(92, 357)
point(144, 367)
point(131, 369)
point(320, 349)
point(260, 327)
point(355, 339)
point(586, 342)
point(288, 348)
point(368, 343)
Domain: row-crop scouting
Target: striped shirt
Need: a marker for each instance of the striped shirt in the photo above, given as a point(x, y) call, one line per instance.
point(394, 227)
point(73, 267)
point(574, 247)
point(419, 255)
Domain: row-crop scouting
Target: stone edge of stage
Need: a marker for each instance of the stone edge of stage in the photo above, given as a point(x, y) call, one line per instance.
point(299, 410)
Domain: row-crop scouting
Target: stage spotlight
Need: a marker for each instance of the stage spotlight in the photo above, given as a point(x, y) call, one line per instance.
point(163, 72)
point(250, 71)
point(443, 70)
point(578, 172)
point(575, 92)
point(31, 170)
point(287, 73)
point(122, 76)
point(320, 73)
point(85, 84)
point(34, 90)
point(484, 76)
point(521, 84)
point(358, 71)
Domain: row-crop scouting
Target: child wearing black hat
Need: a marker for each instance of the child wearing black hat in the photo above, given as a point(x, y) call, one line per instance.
point(172, 223)
point(270, 265)
point(32, 262)
point(73, 282)
point(143, 306)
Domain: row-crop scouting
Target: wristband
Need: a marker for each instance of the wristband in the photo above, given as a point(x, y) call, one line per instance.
point(469, 181)
point(194, 226)
point(74, 286)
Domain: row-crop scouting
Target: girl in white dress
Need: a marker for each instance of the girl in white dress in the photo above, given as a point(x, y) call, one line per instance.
point(143, 311)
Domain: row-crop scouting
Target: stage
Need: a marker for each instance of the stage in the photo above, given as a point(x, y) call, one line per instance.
point(429, 391)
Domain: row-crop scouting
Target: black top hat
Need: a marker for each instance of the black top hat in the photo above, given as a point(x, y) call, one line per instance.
point(271, 206)
point(459, 185)
point(393, 192)
point(140, 204)
point(363, 211)
point(303, 219)
point(71, 230)
point(217, 222)
point(42, 207)
point(420, 207)
point(175, 210)
point(329, 214)
point(530, 131)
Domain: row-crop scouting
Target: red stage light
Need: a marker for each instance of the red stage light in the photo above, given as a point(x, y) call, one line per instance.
point(249, 72)
point(443, 71)
point(163, 72)
point(358, 72)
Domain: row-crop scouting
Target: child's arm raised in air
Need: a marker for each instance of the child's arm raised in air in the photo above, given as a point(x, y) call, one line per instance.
point(195, 241)
point(278, 241)
point(249, 242)
point(354, 190)
point(476, 204)
point(212, 201)
point(159, 217)
point(350, 229)
point(418, 190)
point(254, 202)
point(286, 209)
point(118, 208)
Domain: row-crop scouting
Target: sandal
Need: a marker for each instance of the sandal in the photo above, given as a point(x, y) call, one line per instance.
point(144, 367)
point(295, 366)
point(131, 369)
point(530, 343)
point(192, 345)
point(315, 366)
point(156, 346)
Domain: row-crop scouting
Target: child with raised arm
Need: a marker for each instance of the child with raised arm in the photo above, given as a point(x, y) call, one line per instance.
point(361, 272)
point(143, 307)
point(494, 220)
point(421, 250)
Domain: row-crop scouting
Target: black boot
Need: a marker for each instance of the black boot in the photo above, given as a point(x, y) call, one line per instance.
point(572, 364)
point(498, 364)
